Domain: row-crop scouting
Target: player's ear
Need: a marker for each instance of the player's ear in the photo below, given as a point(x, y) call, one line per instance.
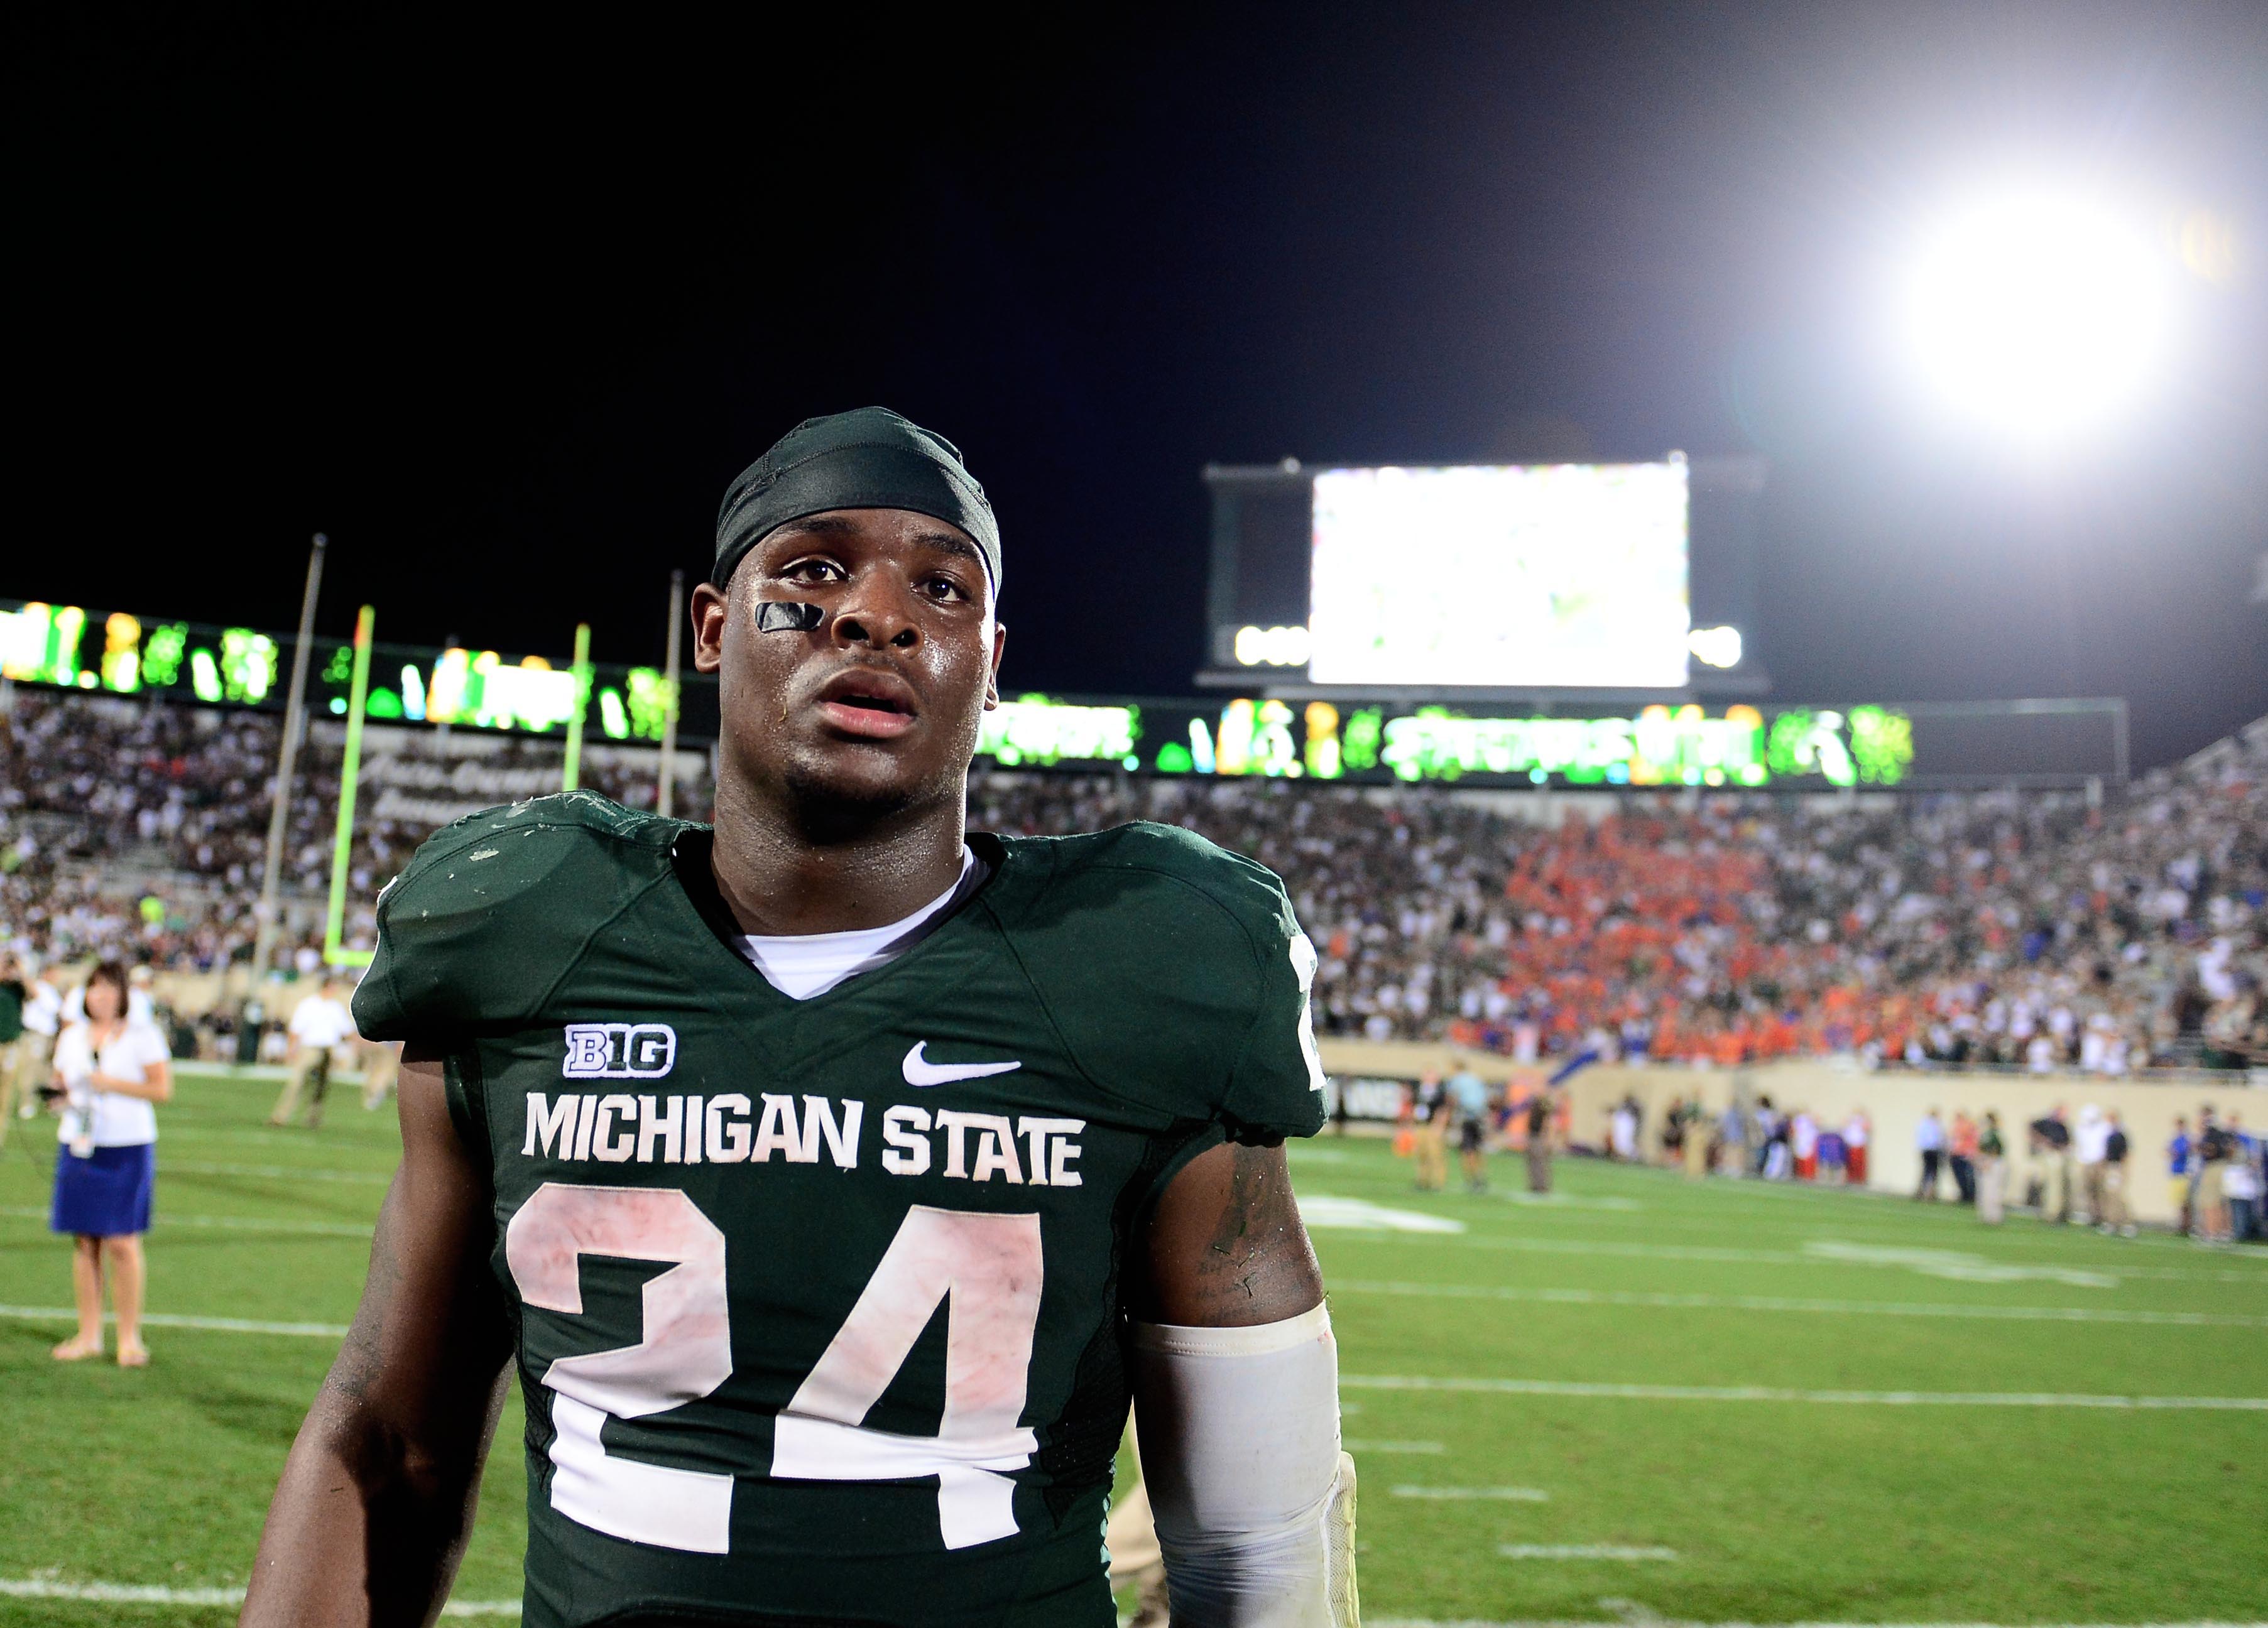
point(708, 608)
point(992, 679)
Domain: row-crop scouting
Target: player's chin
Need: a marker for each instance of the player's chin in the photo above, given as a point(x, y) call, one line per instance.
point(855, 771)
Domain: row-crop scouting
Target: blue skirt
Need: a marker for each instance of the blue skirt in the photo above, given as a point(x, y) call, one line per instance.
point(106, 1195)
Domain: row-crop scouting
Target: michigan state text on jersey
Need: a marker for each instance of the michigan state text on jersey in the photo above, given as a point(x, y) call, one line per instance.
point(827, 1293)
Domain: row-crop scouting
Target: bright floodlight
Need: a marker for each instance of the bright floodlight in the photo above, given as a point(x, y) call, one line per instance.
point(1716, 647)
point(2040, 313)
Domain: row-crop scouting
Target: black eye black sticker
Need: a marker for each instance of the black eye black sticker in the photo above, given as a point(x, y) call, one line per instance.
point(787, 616)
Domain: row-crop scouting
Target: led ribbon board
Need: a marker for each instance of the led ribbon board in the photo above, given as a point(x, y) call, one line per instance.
point(1659, 746)
point(125, 654)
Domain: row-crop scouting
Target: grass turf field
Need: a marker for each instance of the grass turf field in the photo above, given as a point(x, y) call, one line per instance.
point(1726, 1404)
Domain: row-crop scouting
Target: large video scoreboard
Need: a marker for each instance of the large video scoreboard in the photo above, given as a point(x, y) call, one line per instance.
point(1560, 580)
point(1550, 576)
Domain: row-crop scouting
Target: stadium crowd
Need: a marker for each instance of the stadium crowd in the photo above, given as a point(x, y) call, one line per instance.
point(139, 831)
point(2028, 930)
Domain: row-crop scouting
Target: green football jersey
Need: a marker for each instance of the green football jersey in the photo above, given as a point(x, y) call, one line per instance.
point(817, 1302)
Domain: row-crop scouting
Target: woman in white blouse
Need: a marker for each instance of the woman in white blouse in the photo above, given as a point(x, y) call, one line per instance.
point(112, 1069)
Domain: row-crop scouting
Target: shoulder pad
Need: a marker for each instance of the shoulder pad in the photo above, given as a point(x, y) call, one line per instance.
point(1177, 973)
point(1247, 891)
point(494, 909)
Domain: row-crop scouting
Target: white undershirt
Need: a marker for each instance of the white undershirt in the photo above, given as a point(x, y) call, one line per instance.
point(801, 965)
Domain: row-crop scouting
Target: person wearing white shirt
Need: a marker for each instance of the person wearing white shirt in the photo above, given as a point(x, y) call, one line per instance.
point(140, 1008)
point(1857, 1132)
point(112, 1072)
point(1803, 1142)
point(2090, 1140)
point(320, 1025)
point(1929, 1142)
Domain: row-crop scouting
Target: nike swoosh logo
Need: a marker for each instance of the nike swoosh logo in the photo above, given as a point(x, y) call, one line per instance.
point(920, 1071)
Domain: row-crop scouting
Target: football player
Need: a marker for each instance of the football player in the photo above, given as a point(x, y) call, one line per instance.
point(832, 1177)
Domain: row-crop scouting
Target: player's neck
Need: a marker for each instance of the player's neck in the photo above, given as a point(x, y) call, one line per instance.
point(778, 877)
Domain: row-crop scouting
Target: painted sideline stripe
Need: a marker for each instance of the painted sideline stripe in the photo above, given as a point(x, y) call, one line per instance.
point(1394, 1447)
point(1762, 1393)
point(176, 1320)
point(1776, 1303)
point(276, 1172)
point(1560, 1200)
point(151, 1593)
point(2112, 1272)
point(1324, 1209)
point(225, 1223)
point(1585, 1551)
point(1510, 1494)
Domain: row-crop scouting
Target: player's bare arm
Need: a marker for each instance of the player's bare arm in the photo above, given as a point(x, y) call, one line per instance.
point(378, 1495)
point(1230, 1348)
point(1229, 1345)
point(1224, 1248)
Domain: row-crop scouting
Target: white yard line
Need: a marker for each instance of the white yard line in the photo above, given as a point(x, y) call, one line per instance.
point(1645, 1251)
point(1559, 1200)
point(1327, 1210)
point(1585, 1551)
point(274, 1172)
point(1813, 1254)
point(1958, 1265)
point(1507, 1494)
point(1764, 1393)
point(151, 1594)
point(175, 1320)
point(1776, 1303)
point(225, 1223)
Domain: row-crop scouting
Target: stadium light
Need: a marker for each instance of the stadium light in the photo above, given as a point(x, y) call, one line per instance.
point(1272, 646)
point(1715, 647)
point(2039, 312)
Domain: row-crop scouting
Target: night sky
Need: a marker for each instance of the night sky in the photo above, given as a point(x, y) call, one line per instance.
point(503, 312)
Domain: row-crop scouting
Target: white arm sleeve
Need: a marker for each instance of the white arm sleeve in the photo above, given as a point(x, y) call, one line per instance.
point(1240, 1432)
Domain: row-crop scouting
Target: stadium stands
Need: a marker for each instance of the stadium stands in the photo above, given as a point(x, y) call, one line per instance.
point(2028, 930)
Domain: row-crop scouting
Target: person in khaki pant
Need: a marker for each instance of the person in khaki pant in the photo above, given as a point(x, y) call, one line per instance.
point(2113, 1216)
point(23, 1054)
point(1432, 1103)
point(1699, 1126)
point(1539, 1142)
point(1992, 1172)
point(320, 1025)
point(14, 989)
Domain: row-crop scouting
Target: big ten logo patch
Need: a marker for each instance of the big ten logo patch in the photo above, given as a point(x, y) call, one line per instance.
point(619, 1051)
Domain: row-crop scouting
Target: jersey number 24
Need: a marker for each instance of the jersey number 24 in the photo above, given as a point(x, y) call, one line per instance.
point(988, 1264)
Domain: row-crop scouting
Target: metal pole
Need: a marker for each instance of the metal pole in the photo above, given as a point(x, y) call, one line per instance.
point(335, 950)
point(287, 763)
point(572, 776)
point(666, 798)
